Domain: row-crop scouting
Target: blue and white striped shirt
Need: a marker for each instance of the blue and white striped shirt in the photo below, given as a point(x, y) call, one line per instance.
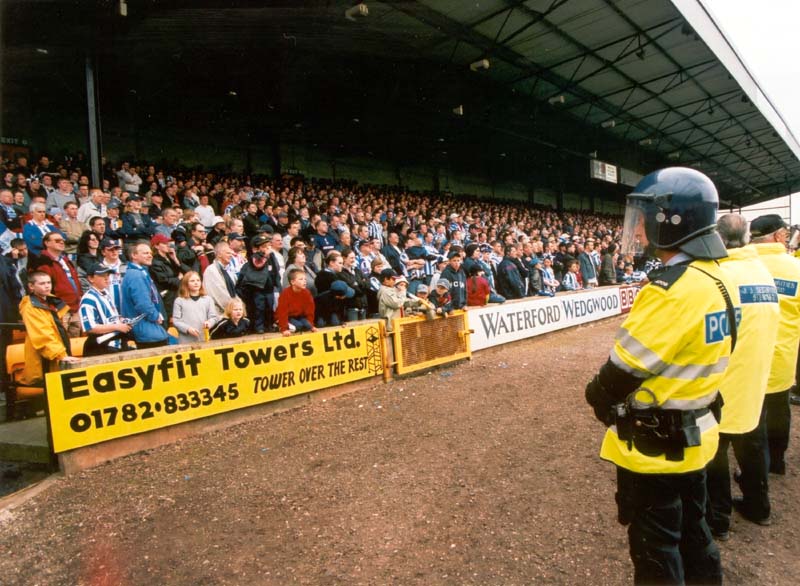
point(98, 309)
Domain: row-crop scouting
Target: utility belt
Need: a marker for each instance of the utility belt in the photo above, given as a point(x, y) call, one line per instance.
point(656, 431)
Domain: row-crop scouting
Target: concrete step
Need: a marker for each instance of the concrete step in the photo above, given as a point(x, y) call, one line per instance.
point(24, 441)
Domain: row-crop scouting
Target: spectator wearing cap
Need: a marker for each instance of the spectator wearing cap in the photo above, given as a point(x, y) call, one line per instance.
point(256, 284)
point(441, 298)
point(155, 205)
point(111, 251)
point(141, 299)
point(96, 206)
point(113, 221)
point(135, 224)
point(769, 235)
point(330, 306)
point(390, 299)
point(106, 332)
point(217, 230)
point(73, 229)
point(239, 257)
point(535, 279)
point(166, 271)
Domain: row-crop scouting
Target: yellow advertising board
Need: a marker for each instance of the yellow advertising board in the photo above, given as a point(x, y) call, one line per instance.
point(101, 402)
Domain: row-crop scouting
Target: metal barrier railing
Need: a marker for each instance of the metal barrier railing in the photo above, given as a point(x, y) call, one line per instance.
point(423, 343)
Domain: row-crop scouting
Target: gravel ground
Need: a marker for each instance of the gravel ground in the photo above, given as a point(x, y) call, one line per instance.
point(485, 472)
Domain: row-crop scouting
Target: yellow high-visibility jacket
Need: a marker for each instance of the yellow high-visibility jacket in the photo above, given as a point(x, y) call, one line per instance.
point(43, 337)
point(785, 270)
point(745, 381)
point(677, 340)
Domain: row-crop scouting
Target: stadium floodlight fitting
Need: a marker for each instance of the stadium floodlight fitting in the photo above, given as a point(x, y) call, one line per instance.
point(674, 155)
point(646, 141)
point(556, 100)
point(593, 155)
point(123, 8)
point(232, 93)
point(609, 123)
point(458, 110)
point(42, 51)
point(479, 64)
point(359, 10)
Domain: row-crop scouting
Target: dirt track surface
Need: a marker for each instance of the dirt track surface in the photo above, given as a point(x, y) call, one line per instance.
point(481, 473)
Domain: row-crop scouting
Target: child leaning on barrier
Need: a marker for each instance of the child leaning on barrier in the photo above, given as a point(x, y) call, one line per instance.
point(234, 324)
point(441, 297)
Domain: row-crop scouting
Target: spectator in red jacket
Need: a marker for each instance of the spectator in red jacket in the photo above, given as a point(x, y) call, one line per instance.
point(296, 305)
point(64, 275)
point(478, 289)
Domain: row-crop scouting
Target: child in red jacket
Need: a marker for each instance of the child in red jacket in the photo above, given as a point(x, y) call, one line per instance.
point(296, 305)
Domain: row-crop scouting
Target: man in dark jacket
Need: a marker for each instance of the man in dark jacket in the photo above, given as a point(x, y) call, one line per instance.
point(256, 284)
point(608, 272)
point(509, 281)
point(454, 274)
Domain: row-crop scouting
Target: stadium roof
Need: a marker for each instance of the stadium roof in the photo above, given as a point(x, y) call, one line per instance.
point(644, 83)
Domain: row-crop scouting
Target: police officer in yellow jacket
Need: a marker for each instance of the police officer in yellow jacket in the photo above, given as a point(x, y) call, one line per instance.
point(658, 391)
point(769, 235)
point(743, 422)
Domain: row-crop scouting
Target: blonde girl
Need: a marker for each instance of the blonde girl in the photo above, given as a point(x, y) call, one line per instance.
point(193, 311)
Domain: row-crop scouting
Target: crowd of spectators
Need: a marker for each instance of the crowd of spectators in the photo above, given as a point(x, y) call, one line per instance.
point(189, 248)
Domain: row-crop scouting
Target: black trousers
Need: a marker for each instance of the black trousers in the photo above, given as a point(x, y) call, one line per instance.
point(779, 417)
point(751, 454)
point(670, 542)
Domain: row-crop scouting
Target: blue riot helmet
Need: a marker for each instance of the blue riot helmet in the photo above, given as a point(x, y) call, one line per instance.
point(673, 209)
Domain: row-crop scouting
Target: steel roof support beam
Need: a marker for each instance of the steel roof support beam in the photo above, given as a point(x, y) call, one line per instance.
point(569, 38)
point(457, 30)
point(621, 13)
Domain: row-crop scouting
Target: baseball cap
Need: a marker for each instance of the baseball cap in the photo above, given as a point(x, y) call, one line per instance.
point(160, 239)
point(768, 224)
point(341, 288)
point(422, 289)
point(387, 273)
point(218, 220)
point(454, 254)
point(258, 241)
point(401, 279)
point(99, 269)
point(236, 236)
point(444, 283)
point(266, 229)
point(110, 243)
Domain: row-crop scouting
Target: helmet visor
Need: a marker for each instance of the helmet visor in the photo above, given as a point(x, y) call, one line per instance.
point(634, 239)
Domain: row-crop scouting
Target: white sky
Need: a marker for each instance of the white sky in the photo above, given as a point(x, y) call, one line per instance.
point(766, 36)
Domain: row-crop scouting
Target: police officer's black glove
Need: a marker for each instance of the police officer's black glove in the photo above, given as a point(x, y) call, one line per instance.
point(600, 400)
